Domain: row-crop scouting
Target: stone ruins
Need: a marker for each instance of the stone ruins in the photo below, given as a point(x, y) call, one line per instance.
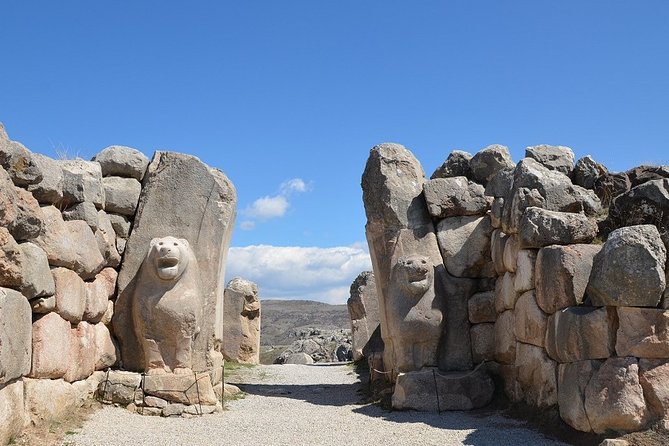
point(241, 322)
point(546, 277)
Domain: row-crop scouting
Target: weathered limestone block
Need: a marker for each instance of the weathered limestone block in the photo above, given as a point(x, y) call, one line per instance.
point(181, 388)
point(501, 183)
point(48, 400)
point(510, 255)
point(70, 295)
point(629, 270)
point(12, 261)
point(83, 353)
point(69, 244)
point(122, 161)
point(643, 332)
point(85, 211)
point(120, 224)
point(579, 333)
point(573, 379)
point(505, 339)
point(653, 377)
point(184, 198)
point(486, 163)
point(539, 227)
point(505, 293)
point(28, 223)
point(119, 387)
point(454, 197)
point(614, 397)
point(51, 345)
point(82, 181)
point(483, 342)
point(562, 274)
point(482, 307)
point(558, 158)
point(36, 276)
point(524, 280)
point(18, 162)
point(105, 349)
point(15, 335)
point(465, 246)
point(530, 325)
point(363, 309)
point(456, 165)
point(497, 246)
point(106, 240)
point(537, 375)
point(454, 390)
point(13, 412)
point(241, 322)
point(50, 189)
point(98, 294)
point(121, 195)
point(587, 171)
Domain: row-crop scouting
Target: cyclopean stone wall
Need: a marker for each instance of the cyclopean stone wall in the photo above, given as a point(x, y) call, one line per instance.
point(569, 303)
point(64, 228)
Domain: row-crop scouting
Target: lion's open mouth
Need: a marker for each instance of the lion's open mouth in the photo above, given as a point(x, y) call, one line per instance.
point(168, 262)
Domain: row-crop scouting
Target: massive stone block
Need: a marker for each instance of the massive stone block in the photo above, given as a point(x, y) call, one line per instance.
point(363, 309)
point(122, 161)
point(105, 236)
point(465, 246)
point(12, 408)
point(530, 326)
point(456, 165)
point(11, 260)
point(539, 227)
point(83, 352)
point(572, 381)
point(98, 294)
point(121, 195)
point(483, 342)
point(653, 377)
point(505, 339)
point(18, 162)
point(70, 295)
point(50, 189)
point(241, 322)
point(184, 198)
point(643, 332)
point(36, 276)
point(486, 163)
point(51, 340)
point(537, 375)
point(579, 333)
point(15, 335)
point(587, 171)
point(454, 197)
point(482, 307)
point(558, 158)
point(629, 270)
point(82, 181)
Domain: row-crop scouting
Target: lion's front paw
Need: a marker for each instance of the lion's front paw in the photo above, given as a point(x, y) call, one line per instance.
point(182, 371)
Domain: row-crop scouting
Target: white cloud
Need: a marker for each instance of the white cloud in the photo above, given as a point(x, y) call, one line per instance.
point(311, 273)
point(247, 225)
point(267, 207)
point(293, 185)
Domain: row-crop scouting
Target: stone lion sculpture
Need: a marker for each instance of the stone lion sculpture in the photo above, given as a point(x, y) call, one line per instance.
point(167, 306)
point(414, 317)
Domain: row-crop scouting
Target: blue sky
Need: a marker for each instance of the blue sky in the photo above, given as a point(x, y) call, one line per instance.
point(288, 97)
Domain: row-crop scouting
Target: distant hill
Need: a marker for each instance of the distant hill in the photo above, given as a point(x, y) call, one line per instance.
point(281, 318)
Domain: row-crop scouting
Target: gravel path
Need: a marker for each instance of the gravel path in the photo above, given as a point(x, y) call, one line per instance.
point(304, 405)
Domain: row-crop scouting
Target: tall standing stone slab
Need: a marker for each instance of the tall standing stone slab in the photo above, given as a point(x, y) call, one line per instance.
point(184, 198)
point(241, 322)
point(363, 309)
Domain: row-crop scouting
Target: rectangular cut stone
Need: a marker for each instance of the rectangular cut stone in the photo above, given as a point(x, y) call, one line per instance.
point(579, 333)
point(185, 389)
point(15, 335)
point(572, 381)
point(643, 332)
point(530, 324)
point(482, 307)
point(537, 375)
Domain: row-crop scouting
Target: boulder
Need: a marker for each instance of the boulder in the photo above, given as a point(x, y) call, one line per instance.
point(82, 181)
point(500, 184)
point(15, 335)
point(483, 342)
point(643, 332)
point(70, 295)
point(653, 377)
point(642, 174)
point(629, 270)
point(363, 309)
point(525, 265)
point(497, 212)
point(465, 246)
point(120, 224)
point(558, 158)
point(505, 339)
point(505, 293)
point(539, 227)
point(69, 244)
point(184, 389)
point(98, 293)
point(122, 162)
point(573, 379)
point(512, 389)
point(456, 165)
point(481, 307)
point(486, 163)
point(50, 400)
point(537, 375)
point(580, 333)
point(13, 412)
point(587, 171)
point(121, 195)
point(83, 353)
point(85, 211)
point(105, 349)
point(431, 390)
point(106, 241)
point(497, 245)
point(298, 358)
point(562, 274)
point(28, 223)
point(36, 279)
point(241, 322)
point(12, 261)
point(51, 345)
point(530, 325)
point(18, 162)
point(614, 397)
point(610, 185)
point(183, 198)
point(50, 189)
point(119, 387)
point(510, 256)
point(454, 197)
